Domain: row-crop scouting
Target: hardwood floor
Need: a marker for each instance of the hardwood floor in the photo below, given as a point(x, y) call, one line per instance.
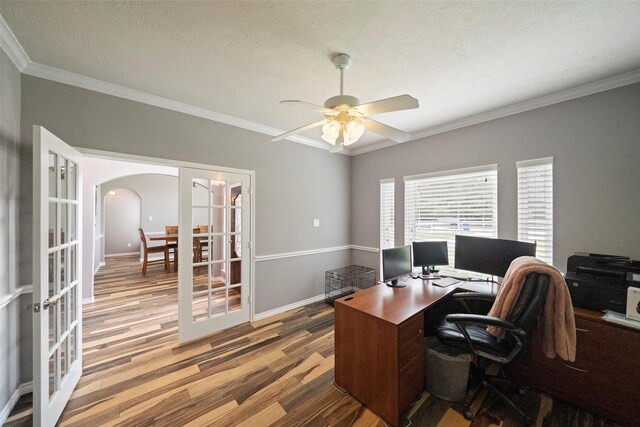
point(276, 371)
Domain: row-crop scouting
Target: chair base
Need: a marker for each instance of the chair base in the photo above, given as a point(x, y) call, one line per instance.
point(489, 384)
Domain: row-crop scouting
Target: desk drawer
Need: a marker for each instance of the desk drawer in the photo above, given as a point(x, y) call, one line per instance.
point(608, 346)
point(408, 351)
point(411, 381)
point(598, 388)
point(410, 328)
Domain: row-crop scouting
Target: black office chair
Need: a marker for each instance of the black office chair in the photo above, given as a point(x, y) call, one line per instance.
point(468, 332)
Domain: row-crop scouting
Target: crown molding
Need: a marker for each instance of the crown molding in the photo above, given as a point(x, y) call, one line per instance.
point(374, 146)
point(12, 47)
point(591, 88)
point(84, 82)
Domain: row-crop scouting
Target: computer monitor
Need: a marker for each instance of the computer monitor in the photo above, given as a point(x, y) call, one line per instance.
point(429, 254)
point(396, 262)
point(489, 256)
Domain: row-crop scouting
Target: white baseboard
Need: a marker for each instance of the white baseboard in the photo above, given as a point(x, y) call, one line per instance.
point(6, 409)
point(21, 390)
point(122, 254)
point(26, 388)
point(88, 300)
point(288, 307)
point(102, 264)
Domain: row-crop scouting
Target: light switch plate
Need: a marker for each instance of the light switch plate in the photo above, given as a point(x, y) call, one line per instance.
point(150, 218)
point(316, 223)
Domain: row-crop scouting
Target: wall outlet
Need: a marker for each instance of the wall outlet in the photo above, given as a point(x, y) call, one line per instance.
point(316, 223)
point(128, 245)
point(150, 218)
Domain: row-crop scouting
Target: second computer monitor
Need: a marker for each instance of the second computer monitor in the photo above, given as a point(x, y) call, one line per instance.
point(429, 254)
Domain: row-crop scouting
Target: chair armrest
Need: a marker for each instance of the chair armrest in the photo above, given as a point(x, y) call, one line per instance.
point(477, 319)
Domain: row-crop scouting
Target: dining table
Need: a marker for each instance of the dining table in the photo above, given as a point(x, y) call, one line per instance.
point(171, 239)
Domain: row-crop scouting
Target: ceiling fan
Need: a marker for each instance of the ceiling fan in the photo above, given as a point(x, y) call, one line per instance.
point(345, 119)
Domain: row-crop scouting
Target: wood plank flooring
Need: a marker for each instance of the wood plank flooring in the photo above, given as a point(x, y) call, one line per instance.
point(276, 371)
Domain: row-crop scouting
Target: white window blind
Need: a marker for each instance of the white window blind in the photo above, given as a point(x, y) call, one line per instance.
point(387, 222)
point(535, 205)
point(438, 206)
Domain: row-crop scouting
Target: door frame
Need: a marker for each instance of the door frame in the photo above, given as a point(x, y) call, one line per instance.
point(111, 155)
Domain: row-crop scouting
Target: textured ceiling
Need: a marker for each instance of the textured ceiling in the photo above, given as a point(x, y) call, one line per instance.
point(242, 58)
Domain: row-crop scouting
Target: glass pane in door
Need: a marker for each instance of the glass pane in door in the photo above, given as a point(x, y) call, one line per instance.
point(53, 188)
point(64, 190)
point(72, 178)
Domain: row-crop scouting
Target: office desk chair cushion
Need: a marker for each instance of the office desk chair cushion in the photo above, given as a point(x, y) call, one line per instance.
point(450, 334)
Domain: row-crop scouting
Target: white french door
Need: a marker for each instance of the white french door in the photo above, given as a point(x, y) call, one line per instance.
point(214, 247)
point(57, 324)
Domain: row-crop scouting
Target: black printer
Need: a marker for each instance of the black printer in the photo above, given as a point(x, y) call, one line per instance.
point(599, 282)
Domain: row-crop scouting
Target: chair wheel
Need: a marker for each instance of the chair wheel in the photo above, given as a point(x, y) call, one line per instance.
point(467, 414)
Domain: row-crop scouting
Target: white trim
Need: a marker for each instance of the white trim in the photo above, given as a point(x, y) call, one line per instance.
point(534, 162)
point(387, 180)
point(20, 391)
point(365, 248)
point(121, 254)
point(125, 157)
point(8, 407)
point(288, 307)
point(14, 50)
point(356, 151)
point(25, 388)
point(484, 168)
point(5, 300)
point(300, 253)
point(586, 89)
point(314, 252)
point(12, 47)
point(89, 83)
point(101, 264)
point(26, 289)
point(88, 300)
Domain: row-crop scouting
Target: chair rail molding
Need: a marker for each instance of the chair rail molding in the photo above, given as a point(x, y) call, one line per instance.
point(270, 257)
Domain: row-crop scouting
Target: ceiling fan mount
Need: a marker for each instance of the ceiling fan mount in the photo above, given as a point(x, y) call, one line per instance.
point(345, 118)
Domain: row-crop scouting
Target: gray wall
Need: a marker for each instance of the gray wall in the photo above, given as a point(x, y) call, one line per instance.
point(121, 222)
point(294, 183)
point(158, 196)
point(595, 142)
point(10, 279)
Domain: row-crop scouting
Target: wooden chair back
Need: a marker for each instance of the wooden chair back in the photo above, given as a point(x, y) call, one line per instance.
point(143, 239)
point(171, 229)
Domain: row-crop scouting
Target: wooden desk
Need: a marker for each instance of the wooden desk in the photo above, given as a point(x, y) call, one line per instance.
point(379, 343)
point(603, 379)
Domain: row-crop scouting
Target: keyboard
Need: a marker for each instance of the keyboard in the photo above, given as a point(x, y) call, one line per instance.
point(447, 281)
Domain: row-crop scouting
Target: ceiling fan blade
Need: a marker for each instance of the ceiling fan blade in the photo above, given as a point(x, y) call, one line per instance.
point(306, 106)
point(300, 129)
point(397, 103)
point(385, 130)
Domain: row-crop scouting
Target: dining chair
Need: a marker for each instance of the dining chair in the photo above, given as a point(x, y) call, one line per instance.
point(173, 243)
point(164, 249)
point(204, 242)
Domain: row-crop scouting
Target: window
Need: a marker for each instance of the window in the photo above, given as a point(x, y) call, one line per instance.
point(535, 205)
point(387, 222)
point(440, 205)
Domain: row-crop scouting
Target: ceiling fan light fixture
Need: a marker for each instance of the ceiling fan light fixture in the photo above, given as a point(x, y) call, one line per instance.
point(331, 131)
point(353, 130)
